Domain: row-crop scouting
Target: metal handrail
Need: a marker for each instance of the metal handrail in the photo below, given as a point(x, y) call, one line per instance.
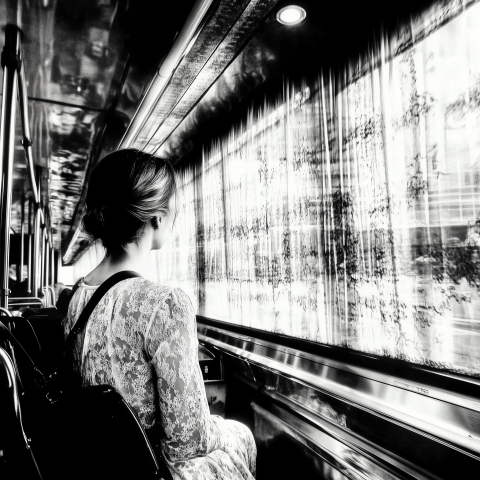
point(27, 138)
point(35, 248)
point(22, 241)
point(5, 310)
point(48, 296)
point(15, 83)
point(7, 140)
point(35, 305)
point(53, 294)
point(29, 247)
point(15, 302)
point(45, 298)
point(24, 298)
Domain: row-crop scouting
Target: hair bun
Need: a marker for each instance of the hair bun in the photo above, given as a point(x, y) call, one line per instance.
point(110, 226)
point(94, 224)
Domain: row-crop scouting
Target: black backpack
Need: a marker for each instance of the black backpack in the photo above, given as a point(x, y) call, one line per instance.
point(83, 432)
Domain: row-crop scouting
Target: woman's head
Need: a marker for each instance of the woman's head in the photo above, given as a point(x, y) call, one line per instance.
point(128, 192)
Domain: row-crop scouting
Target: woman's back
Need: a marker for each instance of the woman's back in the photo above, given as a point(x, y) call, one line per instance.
point(141, 339)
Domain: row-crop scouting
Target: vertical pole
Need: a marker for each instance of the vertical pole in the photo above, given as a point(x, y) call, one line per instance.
point(49, 252)
point(51, 270)
point(42, 256)
point(10, 63)
point(58, 259)
point(47, 263)
point(52, 266)
point(30, 245)
point(35, 250)
point(22, 240)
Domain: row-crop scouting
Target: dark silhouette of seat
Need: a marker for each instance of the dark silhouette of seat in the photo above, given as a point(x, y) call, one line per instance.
point(88, 432)
point(41, 334)
point(16, 457)
point(92, 432)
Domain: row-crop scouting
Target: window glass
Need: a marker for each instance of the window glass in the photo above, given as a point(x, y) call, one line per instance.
point(348, 212)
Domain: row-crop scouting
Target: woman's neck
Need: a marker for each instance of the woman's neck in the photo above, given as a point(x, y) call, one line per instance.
point(134, 258)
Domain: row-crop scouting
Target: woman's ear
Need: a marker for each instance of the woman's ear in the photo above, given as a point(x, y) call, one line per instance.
point(156, 222)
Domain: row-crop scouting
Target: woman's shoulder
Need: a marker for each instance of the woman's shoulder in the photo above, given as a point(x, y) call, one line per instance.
point(153, 292)
point(151, 287)
point(138, 285)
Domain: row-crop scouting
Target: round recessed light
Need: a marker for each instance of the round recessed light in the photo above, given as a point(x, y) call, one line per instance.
point(291, 15)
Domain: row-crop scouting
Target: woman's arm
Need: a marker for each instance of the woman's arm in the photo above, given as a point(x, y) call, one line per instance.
point(171, 342)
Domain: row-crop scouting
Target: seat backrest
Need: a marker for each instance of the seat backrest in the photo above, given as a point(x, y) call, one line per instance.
point(42, 337)
point(88, 432)
point(92, 432)
point(16, 457)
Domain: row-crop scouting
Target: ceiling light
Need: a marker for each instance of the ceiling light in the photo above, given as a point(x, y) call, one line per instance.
point(291, 15)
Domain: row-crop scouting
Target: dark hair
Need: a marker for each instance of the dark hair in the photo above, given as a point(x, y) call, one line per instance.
point(127, 189)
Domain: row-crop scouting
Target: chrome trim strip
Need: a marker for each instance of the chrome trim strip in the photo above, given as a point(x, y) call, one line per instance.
point(351, 439)
point(434, 392)
point(335, 446)
point(180, 47)
point(322, 441)
point(448, 422)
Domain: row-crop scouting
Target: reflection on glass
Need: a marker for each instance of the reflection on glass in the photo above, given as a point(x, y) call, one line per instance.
point(349, 212)
point(70, 130)
point(79, 78)
point(85, 53)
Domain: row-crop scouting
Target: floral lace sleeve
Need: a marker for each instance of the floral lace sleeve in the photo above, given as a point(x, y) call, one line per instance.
point(171, 342)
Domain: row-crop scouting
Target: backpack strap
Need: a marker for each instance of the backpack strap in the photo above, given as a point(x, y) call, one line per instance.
point(93, 302)
point(75, 288)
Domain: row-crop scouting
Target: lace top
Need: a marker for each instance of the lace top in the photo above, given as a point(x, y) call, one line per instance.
point(141, 339)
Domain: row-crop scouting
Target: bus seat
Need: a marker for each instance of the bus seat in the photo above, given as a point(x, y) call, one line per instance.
point(16, 457)
point(79, 433)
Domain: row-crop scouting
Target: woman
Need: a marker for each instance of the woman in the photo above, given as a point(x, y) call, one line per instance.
point(141, 337)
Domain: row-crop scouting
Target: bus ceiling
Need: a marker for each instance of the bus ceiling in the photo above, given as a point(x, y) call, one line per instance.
point(158, 76)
